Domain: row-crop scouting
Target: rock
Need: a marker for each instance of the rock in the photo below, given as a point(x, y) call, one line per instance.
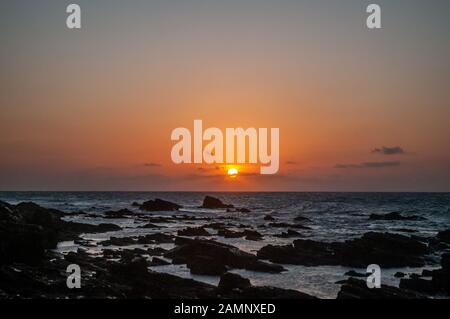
point(159, 205)
point(193, 231)
point(444, 236)
point(445, 262)
point(157, 251)
point(24, 243)
point(265, 267)
point(243, 210)
point(216, 226)
point(205, 265)
point(394, 216)
point(399, 274)
point(159, 238)
point(269, 217)
point(357, 289)
point(122, 213)
point(158, 262)
point(230, 281)
point(289, 234)
point(414, 276)
point(118, 241)
point(418, 284)
point(267, 292)
point(137, 268)
point(353, 273)
point(252, 235)
point(72, 229)
point(405, 230)
point(230, 234)
point(135, 204)
point(191, 251)
point(439, 283)
point(387, 250)
point(427, 273)
point(27, 230)
point(149, 225)
point(214, 203)
point(384, 249)
point(158, 219)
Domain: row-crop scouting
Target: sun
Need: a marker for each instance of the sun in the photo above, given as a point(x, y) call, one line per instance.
point(232, 172)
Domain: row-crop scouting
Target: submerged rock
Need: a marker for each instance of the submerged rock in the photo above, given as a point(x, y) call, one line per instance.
point(159, 205)
point(394, 216)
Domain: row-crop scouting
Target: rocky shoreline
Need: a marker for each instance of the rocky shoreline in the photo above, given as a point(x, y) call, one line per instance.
point(30, 268)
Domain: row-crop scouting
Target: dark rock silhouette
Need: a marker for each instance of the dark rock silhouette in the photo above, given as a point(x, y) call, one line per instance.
point(444, 236)
point(353, 273)
point(214, 203)
point(159, 205)
point(439, 283)
point(394, 216)
point(158, 262)
point(122, 213)
point(190, 251)
point(193, 231)
point(357, 289)
point(230, 281)
point(387, 250)
point(27, 230)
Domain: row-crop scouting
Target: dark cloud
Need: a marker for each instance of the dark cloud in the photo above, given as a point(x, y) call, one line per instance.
point(151, 164)
point(389, 150)
point(369, 165)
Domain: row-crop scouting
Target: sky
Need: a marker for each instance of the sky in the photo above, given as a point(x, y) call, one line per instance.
point(93, 109)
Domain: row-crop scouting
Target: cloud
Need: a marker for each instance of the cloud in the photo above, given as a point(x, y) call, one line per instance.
point(151, 164)
point(369, 165)
point(389, 150)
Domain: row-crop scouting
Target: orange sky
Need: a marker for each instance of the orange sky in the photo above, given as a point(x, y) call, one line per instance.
point(93, 109)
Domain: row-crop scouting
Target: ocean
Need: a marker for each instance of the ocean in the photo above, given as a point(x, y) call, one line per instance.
point(332, 217)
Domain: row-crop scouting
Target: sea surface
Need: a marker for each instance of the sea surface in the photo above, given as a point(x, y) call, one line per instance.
point(333, 217)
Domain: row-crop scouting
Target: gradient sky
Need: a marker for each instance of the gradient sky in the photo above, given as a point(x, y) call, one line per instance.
point(93, 109)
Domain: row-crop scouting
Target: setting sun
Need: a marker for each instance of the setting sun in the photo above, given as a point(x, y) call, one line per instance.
point(232, 172)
